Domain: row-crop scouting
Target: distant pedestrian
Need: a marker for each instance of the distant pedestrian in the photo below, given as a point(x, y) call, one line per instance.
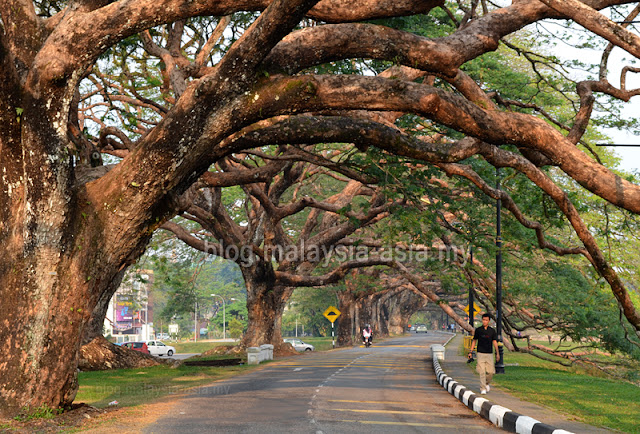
point(485, 339)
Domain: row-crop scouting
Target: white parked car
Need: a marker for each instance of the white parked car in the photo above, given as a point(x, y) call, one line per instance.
point(159, 348)
point(298, 345)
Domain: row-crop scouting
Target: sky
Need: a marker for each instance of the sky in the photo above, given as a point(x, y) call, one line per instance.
point(630, 156)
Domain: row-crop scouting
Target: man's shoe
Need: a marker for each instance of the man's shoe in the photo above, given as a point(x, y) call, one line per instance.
point(483, 392)
point(488, 388)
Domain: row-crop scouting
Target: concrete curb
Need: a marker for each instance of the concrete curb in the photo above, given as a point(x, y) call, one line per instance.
point(501, 417)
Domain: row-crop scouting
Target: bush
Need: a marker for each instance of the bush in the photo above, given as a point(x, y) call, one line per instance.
point(235, 328)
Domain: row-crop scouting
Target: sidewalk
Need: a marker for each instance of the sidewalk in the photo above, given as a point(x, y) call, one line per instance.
point(456, 367)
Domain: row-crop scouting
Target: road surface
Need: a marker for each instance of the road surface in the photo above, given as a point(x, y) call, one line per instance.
point(389, 387)
point(182, 356)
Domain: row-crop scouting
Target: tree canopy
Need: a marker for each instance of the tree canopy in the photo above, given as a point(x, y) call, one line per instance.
point(110, 111)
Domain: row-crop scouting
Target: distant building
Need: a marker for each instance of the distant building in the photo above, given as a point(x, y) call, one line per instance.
point(130, 313)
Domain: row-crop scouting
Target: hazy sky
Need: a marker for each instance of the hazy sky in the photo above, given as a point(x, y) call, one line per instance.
point(630, 155)
point(617, 60)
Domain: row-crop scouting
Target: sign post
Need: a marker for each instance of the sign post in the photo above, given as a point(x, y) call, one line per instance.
point(332, 314)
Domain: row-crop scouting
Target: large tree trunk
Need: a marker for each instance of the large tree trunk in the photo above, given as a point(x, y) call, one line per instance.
point(59, 251)
point(49, 293)
point(46, 284)
point(380, 313)
point(265, 304)
point(402, 304)
point(347, 322)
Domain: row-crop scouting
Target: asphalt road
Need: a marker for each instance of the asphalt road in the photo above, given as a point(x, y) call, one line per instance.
point(389, 387)
point(182, 356)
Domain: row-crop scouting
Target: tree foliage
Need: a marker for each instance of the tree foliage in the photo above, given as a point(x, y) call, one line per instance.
point(111, 112)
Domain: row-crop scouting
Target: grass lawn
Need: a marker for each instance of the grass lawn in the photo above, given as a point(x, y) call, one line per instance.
point(596, 401)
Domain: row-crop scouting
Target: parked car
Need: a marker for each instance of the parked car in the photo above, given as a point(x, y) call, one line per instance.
point(412, 328)
point(137, 346)
point(298, 345)
point(421, 328)
point(159, 348)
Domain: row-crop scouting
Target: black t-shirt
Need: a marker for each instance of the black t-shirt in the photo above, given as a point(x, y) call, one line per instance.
point(485, 339)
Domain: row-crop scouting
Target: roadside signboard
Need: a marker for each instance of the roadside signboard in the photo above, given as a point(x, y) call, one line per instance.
point(476, 309)
point(331, 314)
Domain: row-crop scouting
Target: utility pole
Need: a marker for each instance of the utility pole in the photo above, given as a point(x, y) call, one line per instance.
point(500, 363)
point(224, 315)
point(471, 301)
point(195, 320)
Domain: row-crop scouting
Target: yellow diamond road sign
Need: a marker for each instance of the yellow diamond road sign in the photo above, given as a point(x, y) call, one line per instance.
point(476, 309)
point(331, 313)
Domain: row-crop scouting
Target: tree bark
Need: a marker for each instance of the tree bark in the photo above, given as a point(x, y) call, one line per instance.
point(265, 303)
point(401, 306)
point(64, 244)
point(347, 322)
point(49, 274)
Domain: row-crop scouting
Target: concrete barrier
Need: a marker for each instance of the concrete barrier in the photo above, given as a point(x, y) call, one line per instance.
point(266, 350)
point(255, 355)
point(437, 352)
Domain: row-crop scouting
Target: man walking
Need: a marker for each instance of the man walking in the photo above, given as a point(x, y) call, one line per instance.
point(486, 339)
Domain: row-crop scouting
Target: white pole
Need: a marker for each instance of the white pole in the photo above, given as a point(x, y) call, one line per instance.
point(195, 320)
point(333, 341)
point(224, 320)
point(296, 326)
point(146, 314)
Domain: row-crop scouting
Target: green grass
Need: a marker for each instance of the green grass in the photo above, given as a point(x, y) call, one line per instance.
point(132, 387)
point(596, 401)
point(42, 412)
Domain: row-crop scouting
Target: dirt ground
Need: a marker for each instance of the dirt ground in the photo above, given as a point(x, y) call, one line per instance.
point(88, 419)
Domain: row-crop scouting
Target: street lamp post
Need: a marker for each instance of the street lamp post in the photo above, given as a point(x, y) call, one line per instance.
point(471, 310)
point(146, 314)
point(195, 320)
point(500, 364)
point(224, 319)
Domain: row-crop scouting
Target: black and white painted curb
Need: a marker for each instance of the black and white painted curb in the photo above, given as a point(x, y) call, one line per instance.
point(501, 417)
